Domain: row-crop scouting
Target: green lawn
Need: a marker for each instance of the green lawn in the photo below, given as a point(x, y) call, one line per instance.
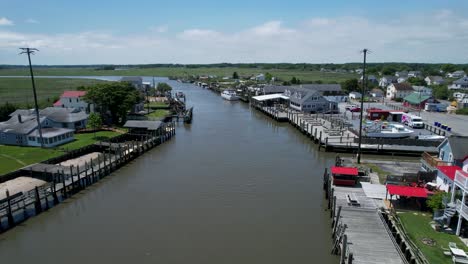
point(417, 227)
point(382, 174)
point(15, 157)
point(156, 104)
point(160, 113)
point(82, 140)
point(19, 90)
point(304, 75)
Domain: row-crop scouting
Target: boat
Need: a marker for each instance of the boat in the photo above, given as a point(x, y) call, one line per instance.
point(386, 130)
point(229, 95)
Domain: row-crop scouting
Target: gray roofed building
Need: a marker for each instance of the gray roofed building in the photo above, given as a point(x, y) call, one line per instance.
point(143, 124)
point(272, 89)
point(461, 83)
point(309, 100)
point(434, 80)
point(63, 115)
point(459, 147)
point(322, 88)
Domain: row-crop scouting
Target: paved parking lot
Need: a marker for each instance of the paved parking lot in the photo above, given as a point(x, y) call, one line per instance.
point(458, 123)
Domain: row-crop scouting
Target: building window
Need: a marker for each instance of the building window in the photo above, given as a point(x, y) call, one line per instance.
point(69, 100)
point(450, 157)
point(442, 153)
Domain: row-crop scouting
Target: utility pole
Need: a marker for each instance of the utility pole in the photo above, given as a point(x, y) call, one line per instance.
point(30, 51)
point(364, 83)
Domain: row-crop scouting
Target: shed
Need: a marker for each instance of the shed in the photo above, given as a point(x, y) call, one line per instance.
point(346, 176)
point(143, 127)
point(417, 100)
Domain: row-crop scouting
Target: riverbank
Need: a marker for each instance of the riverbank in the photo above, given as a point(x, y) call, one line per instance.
point(69, 174)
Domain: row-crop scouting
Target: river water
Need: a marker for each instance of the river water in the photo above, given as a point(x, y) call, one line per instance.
point(233, 187)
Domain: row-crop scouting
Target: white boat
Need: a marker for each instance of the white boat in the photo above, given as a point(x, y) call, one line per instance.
point(386, 130)
point(229, 95)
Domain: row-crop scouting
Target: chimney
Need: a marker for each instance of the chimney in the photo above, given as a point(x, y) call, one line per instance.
point(19, 119)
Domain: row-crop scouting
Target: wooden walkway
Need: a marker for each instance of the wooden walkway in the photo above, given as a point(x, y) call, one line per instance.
point(367, 236)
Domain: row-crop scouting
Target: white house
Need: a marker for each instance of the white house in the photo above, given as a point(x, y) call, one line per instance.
point(456, 74)
point(355, 95)
point(74, 99)
point(309, 100)
point(260, 77)
point(423, 90)
point(399, 90)
point(434, 80)
point(386, 80)
point(461, 83)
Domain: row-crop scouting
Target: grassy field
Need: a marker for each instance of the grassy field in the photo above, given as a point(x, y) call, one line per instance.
point(418, 227)
point(19, 90)
point(283, 74)
point(160, 113)
point(156, 104)
point(14, 157)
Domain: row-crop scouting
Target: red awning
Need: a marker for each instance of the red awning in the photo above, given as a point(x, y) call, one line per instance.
point(345, 171)
point(407, 191)
point(449, 171)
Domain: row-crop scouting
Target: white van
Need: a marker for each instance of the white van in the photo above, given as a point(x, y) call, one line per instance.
point(413, 121)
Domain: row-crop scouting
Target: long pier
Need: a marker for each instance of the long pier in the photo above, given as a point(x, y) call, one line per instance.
point(17, 208)
point(359, 231)
point(332, 132)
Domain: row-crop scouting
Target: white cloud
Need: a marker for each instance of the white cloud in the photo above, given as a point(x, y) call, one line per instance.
point(31, 21)
point(437, 37)
point(159, 29)
point(5, 22)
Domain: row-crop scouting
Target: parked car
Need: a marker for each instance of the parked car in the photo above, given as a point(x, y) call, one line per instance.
point(355, 109)
point(349, 107)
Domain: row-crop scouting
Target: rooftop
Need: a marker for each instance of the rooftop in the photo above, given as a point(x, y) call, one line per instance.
point(403, 86)
point(73, 94)
point(149, 125)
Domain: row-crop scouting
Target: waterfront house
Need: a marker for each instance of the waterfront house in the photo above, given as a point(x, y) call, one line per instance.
point(136, 81)
point(456, 74)
point(434, 80)
point(143, 127)
point(270, 89)
point(309, 100)
point(461, 83)
point(387, 80)
point(58, 126)
point(74, 99)
point(399, 90)
point(453, 156)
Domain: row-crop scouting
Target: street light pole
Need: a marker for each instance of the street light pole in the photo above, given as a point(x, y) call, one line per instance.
point(364, 82)
point(30, 51)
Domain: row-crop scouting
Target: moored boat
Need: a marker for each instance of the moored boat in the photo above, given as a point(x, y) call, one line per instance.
point(229, 95)
point(386, 130)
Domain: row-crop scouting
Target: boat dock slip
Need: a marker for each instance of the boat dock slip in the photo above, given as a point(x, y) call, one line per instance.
point(332, 132)
point(359, 233)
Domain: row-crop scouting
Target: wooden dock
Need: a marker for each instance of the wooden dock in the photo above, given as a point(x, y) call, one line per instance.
point(359, 232)
point(65, 182)
point(332, 132)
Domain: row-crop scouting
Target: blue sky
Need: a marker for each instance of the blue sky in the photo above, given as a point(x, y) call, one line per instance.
point(207, 31)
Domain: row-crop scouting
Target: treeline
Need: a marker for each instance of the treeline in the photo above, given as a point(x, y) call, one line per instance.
point(372, 67)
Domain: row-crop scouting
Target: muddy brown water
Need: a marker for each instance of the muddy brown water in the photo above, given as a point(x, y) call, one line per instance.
point(233, 187)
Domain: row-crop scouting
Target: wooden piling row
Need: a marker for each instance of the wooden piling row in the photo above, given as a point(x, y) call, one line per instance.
point(44, 197)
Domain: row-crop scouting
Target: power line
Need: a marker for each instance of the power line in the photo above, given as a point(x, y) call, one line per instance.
point(30, 51)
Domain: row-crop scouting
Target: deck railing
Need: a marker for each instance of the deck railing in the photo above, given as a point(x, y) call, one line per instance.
point(461, 178)
point(462, 209)
point(433, 161)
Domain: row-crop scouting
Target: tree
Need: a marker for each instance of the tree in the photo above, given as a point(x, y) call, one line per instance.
point(94, 122)
point(448, 68)
point(117, 98)
point(162, 88)
point(6, 110)
point(388, 70)
point(295, 80)
point(441, 92)
point(435, 201)
point(268, 76)
point(350, 85)
point(235, 76)
point(416, 81)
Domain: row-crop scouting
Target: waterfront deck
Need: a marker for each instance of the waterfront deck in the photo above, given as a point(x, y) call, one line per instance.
point(367, 235)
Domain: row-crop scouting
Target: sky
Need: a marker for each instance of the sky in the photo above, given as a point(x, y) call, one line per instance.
point(241, 31)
